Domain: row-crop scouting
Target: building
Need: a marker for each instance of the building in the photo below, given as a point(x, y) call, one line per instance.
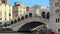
point(18, 9)
point(55, 15)
point(28, 9)
point(45, 12)
point(39, 10)
point(36, 8)
point(5, 12)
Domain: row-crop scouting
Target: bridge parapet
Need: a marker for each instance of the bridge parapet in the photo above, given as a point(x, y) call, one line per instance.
point(19, 21)
point(18, 25)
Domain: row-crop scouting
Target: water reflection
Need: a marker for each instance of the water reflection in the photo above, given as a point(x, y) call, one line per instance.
point(15, 33)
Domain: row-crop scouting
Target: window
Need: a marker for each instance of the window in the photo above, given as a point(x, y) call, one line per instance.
point(24, 12)
point(5, 15)
point(9, 14)
point(57, 10)
point(56, 4)
point(48, 15)
point(9, 10)
point(16, 12)
point(0, 13)
point(57, 19)
point(5, 18)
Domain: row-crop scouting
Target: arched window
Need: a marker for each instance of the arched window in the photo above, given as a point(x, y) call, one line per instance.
point(22, 18)
point(26, 16)
point(15, 21)
point(18, 19)
point(48, 15)
point(43, 14)
point(30, 14)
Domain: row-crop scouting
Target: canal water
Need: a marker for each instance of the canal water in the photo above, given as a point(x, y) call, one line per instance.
point(15, 33)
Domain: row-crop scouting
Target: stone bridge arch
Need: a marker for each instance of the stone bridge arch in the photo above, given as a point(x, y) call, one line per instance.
point(19, 22)
point(30, 25)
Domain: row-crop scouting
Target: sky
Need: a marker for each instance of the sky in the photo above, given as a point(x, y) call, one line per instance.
point(30, 3)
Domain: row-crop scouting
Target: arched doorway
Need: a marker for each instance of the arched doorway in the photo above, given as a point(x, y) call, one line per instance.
point(18, 19)
point(48, 15)
point(30, 14)
point(15, 21)
point(43, 14)
point(22, 18)
point(26, 27)
point(26, 16)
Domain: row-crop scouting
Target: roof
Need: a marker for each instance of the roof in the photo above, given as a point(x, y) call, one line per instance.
point(36, 6)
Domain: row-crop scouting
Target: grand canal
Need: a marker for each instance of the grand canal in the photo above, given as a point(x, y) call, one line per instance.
point(15, 33)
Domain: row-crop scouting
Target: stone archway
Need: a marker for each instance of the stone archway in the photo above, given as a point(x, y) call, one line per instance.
point(22, 18)
point(15, 21)
point(30, 25)
point(18, 19)
point(43, 14)
point(48, 15)
point(26, 16)
point(30, 14)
